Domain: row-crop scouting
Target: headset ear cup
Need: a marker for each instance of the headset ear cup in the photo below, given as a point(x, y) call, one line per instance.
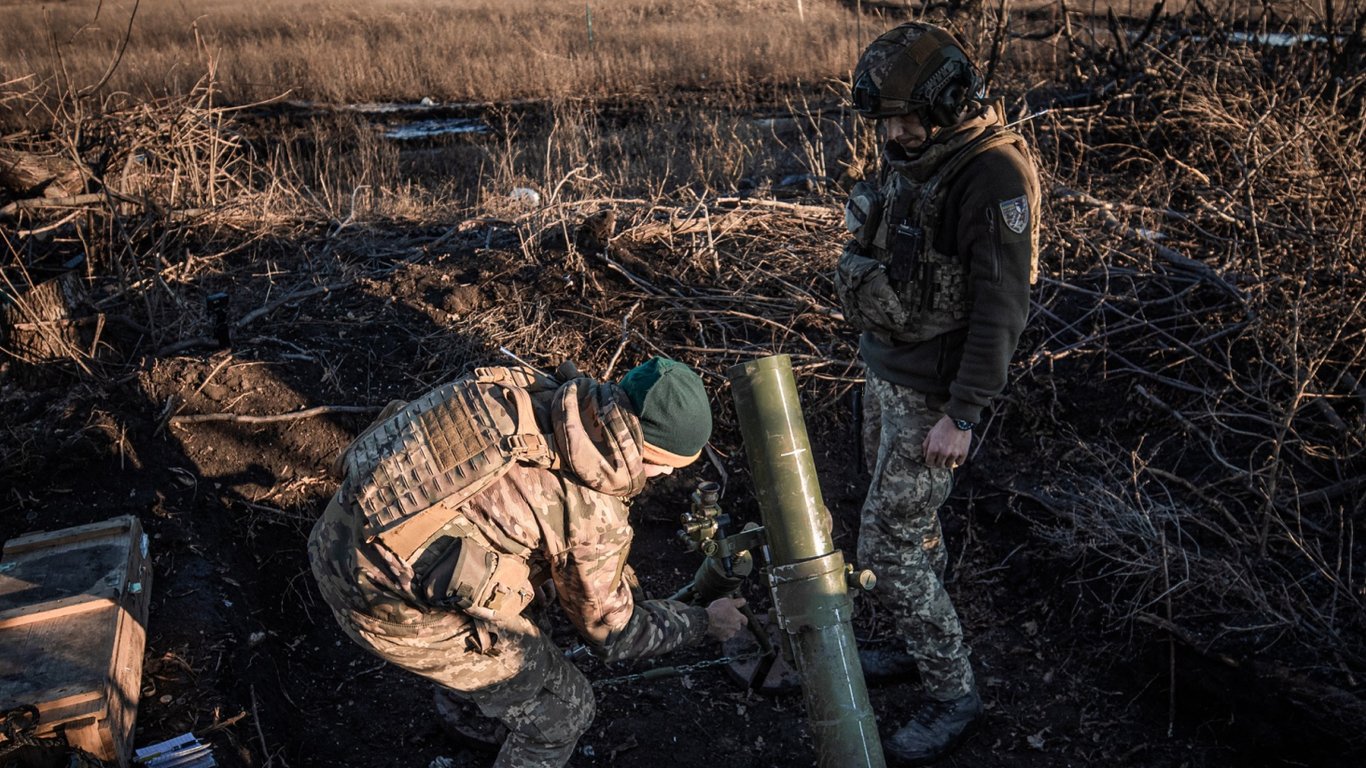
point(949, 105)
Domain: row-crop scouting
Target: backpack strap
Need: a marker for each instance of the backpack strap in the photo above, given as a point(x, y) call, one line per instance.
point(931, 200)
point(519, 376)
point(528, 445)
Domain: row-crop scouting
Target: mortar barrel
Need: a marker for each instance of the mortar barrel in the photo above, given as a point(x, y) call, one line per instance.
point(806, 573)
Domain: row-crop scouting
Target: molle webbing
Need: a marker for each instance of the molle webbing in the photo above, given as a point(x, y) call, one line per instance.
point(442, 448)
point(933, 287)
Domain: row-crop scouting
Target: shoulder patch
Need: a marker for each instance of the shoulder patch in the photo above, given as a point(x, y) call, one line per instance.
point(1015, 214)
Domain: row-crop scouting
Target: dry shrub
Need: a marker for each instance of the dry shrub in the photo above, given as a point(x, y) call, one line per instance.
point(146, 174)
point(180, 184)
point(583, 149)
point(1196, 349)
point(162, 180)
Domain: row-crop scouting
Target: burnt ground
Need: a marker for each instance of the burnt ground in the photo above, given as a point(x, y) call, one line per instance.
point(240, 647)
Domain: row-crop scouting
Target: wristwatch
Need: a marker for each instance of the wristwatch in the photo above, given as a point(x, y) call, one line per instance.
point(964, 424)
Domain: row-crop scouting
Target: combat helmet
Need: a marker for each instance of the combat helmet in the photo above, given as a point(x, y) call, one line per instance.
point(916, 68)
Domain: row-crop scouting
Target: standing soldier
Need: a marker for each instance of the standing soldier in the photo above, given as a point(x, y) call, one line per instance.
point(455, 506)
point(937, 278)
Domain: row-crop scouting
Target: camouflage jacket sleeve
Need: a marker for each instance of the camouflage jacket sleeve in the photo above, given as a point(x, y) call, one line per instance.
point(589, 576)
point(656, 627)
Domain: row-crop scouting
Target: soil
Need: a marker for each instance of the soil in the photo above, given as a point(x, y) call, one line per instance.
point(237, 627)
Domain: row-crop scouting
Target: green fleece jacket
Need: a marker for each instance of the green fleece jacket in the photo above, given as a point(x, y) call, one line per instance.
point(967, 367)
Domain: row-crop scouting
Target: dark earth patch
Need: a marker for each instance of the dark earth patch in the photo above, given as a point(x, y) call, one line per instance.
point(237, 627)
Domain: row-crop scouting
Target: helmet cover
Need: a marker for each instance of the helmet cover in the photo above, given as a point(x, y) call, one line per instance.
point(909, 68)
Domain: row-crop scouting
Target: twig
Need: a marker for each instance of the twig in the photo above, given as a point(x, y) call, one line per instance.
point(308, 413)
point(74, 201)
point(997, 43)
point(58, 224)
point(256, 720)
point(625, 337)
point(640, 282)
point(220, 725)
point(808, 211)
point(266, 309)
point(350, 215)
point(362, 673)
point(114, 65)
point(177, 347)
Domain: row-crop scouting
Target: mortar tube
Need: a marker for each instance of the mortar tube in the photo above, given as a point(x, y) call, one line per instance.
point(806, 574)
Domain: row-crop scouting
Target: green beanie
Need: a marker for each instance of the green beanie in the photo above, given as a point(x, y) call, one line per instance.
point(672, 405)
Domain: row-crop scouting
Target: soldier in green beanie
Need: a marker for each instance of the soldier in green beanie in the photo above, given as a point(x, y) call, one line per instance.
point(457, 508)
point(675, 417)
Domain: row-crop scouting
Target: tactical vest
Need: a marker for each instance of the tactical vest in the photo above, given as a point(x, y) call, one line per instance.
point(408, 476)
point(896, 224)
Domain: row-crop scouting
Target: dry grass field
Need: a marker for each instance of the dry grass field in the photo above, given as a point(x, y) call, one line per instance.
point(450, 50)
point(485, 50)
point(1159, 548)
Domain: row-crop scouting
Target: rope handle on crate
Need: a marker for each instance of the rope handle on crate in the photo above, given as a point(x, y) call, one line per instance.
point(16, 732)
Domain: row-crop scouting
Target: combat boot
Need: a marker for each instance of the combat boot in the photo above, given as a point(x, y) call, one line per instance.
point(934, 730)
point(887, 664)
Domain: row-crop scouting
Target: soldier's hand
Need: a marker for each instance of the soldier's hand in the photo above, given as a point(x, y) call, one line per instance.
point(724, 618)
point(946, 446)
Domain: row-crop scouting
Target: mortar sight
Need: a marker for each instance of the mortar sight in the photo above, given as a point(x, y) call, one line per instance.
point(703, 520)
point(728, 561)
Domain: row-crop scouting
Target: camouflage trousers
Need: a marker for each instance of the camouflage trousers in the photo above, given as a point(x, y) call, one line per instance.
point(900, 536)
point(510, 669)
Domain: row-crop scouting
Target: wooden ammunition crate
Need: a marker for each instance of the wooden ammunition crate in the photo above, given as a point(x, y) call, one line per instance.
point(73, 618)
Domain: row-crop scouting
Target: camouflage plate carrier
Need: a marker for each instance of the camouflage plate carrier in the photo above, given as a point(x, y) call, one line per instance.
point(891, 279)
point(409, 474)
